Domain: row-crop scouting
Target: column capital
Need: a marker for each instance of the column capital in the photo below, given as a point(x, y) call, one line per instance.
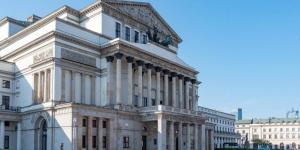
point(158, 69)
point(166, 71)
point(149, 66)
point(109, 58)
point(140, 62)
point(130, 59)
point(180, 76)
point(173, 74)
point(193, 81)
point(187, 79)
point(118, 55)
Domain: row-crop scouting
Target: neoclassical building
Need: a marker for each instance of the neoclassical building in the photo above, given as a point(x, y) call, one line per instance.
point(224, 131)
point(282, 133)
point(103, 77)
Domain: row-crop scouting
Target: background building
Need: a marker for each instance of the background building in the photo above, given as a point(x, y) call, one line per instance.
point(224, 126)
point(283, 133)
point(104, 77)
point(240, 114)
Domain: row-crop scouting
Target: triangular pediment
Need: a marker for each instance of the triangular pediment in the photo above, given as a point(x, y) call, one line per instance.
point(145, 13)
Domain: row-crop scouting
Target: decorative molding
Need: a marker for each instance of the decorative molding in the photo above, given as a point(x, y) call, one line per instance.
point(73, 56)
point(42, 56)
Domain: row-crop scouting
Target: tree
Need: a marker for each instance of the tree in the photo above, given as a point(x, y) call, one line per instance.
point(260, 142)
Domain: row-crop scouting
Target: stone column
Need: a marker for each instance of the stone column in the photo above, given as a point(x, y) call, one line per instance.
point(180, 141)
point(2, 134)
point(161, 132)
point(194, 99)
point(181, 101)
point(188, 135)
point(111, 135)
point(140, 82)
point(158, 70)
point(73, 99)
point(166, 87)
point(212, 145)
point(130, 80)
point(187, 93)
point(149, 90)
point(100, 133)
point(196, 137)
point(39, 88)
point(109, 89)
point(174, 96)
point(19, 146)
point(203, 137)
point(172, 138)
point(119, 77)
point(45, 86)
point(50, 84)
point(90, 133)
point(81, 89)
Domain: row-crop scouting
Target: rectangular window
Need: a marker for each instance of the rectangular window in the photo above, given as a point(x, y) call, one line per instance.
point(6, 84)
point(5, 102)
point(145, 101)
point(155, 141)
point(127, 33)
point(118, 30)
point(136, 36)
point(104, 142)
point(145, 39)
point(6, 142)
point(83, 141)
point(104, 124)
point(6, 123)
point(84, 122)
point(125, 142)
point(94, 141)
point(94, 123)
point(136, 99)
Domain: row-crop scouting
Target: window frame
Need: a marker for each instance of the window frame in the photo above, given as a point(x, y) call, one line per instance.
point(6, 142)
point(118, 33)
point(138, 36)
point(144, 38)
point(6, 84)
point(126, 34)
point(125, 141)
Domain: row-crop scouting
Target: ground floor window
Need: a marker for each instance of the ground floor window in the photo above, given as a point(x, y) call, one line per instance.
point(125, 142)
point(6, 142)
point(83, 141)
point(94, 141)
point(104, 142)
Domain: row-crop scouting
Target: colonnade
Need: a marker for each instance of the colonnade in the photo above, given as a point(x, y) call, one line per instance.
point(197, 136)
point(42, 86)
point(186, 99)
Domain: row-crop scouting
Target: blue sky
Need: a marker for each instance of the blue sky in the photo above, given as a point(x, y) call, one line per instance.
point(247, 51)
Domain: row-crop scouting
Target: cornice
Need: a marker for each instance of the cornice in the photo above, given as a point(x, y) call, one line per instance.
point(33, 27)
point(18, 22)
point(120, 46)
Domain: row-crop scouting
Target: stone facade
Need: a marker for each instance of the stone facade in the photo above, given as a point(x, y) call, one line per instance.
point(282, 133)
point(224, 127)
point(68, 82)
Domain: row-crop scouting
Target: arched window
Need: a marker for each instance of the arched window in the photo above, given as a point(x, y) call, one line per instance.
point(41, 128)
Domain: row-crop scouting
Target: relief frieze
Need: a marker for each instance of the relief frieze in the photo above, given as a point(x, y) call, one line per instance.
point(42, 56)
point(76, 57)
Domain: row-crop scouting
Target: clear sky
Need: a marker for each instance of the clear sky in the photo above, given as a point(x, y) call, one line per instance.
point(247, 51)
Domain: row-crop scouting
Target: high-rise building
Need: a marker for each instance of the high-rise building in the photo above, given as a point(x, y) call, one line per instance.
point(240, 114)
